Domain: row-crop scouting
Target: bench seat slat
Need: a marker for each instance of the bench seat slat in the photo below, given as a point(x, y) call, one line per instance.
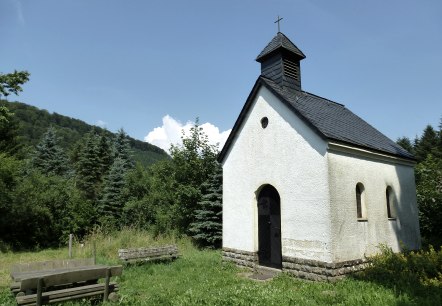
point(147, 259)
point(133, 256)
point(66, 294)
point(18, 276)
point(69, 277)
point(52, 264)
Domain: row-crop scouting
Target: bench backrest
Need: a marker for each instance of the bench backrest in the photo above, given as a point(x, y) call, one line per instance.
point(69, 277)
point(127, 254)
point(52, 264)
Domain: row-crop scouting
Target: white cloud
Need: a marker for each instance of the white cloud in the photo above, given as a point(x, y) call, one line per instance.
point(171, 130)
point(101, 124)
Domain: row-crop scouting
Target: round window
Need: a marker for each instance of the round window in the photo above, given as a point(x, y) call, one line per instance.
point(264, 122)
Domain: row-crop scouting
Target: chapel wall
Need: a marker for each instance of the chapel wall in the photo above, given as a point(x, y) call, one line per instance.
point(355, 239)
point(291, 157)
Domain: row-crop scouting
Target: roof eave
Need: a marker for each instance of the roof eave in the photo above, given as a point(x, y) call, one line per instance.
point(261, 82)
point(339, 142)
point(239, 120)
point(261, 58)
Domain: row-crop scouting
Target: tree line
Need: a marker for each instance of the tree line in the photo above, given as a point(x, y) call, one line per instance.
point(30, 123)
point(427, 150)
point(48, 192)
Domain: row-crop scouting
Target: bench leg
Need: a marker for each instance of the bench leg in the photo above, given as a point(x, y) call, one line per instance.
point(106, 285)
point(39, 291)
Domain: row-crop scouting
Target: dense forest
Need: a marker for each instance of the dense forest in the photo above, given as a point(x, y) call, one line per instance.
point(30, 123)
point(59, 175)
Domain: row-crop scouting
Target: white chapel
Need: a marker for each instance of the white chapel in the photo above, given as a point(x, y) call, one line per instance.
point(308, 186)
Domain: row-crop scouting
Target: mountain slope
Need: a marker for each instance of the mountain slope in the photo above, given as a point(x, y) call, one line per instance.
point(33, 122)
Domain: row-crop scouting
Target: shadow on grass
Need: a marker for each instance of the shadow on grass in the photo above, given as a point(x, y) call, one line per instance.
point(415, 274)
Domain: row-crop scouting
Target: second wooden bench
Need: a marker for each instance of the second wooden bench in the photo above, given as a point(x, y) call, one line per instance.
point(134, 255)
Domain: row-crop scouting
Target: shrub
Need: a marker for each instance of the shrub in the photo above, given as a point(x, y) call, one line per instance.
point(418, 273)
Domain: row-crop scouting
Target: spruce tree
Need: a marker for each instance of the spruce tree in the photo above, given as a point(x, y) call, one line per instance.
point(405, 143)
point(427, 144)
point(112, 201)
point(49, 157)
point(122, 149)
point(89, 167)
point(207, 227)
point(105, 154)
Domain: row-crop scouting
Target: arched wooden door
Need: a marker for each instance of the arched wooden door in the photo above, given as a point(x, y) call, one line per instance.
point(269, 228)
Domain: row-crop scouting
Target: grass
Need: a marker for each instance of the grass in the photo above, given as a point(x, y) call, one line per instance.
point(199, 277)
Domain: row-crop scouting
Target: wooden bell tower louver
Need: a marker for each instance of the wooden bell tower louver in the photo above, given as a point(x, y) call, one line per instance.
point(280, 62)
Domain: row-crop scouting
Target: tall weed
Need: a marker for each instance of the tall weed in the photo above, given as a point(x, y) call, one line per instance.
point(417, 273)
point(106, 243)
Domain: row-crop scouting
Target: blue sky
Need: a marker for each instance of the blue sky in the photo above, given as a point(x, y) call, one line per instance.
point(130, 63)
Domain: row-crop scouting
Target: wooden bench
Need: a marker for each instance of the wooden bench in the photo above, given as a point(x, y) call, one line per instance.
point(18, 271)
point(77, 281)
point(167, 252)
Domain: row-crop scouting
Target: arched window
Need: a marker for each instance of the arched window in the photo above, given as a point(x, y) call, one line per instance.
point(389, 196)
point(360, 202)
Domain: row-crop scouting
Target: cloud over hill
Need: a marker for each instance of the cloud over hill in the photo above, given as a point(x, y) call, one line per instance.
point(171, 130)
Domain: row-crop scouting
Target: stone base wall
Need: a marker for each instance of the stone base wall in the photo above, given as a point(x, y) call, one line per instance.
point(321, 271)
point(301, 268)
point(241, 258)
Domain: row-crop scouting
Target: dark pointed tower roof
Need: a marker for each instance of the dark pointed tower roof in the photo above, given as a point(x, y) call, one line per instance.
point(279, 41)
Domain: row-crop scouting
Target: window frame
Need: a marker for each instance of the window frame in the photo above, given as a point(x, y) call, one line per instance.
point(361, 209)
point(390, 200)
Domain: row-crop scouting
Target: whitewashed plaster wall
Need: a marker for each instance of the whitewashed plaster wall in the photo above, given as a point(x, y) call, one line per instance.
point(353, 239)
point(292, 158)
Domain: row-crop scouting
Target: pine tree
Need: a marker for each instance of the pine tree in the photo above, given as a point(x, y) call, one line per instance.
point(405, 143)
point(89, 167)
point(437, 152)
point(122, 149)
point(426, 144)
point(207, 227)
point(49, 157)
point(112, 201)
point(105, 154)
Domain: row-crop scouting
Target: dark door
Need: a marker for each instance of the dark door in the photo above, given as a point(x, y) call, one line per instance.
point(269, 228)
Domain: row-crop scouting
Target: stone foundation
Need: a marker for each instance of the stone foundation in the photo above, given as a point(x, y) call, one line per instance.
point(301, 268)
point(241, 258)
point(319, 270)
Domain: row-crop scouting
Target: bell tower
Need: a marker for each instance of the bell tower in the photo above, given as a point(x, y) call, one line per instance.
point(280, 62)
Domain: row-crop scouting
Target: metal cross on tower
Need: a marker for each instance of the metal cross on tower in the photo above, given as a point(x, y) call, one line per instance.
point(277, 21)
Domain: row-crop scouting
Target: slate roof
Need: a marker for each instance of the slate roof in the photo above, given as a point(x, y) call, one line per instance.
point(279, 41)
point(331, 120)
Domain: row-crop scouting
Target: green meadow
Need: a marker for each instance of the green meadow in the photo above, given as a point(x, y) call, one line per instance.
point(200, 277)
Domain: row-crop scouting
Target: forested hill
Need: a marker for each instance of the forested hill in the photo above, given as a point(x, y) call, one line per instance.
point(31, 123)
